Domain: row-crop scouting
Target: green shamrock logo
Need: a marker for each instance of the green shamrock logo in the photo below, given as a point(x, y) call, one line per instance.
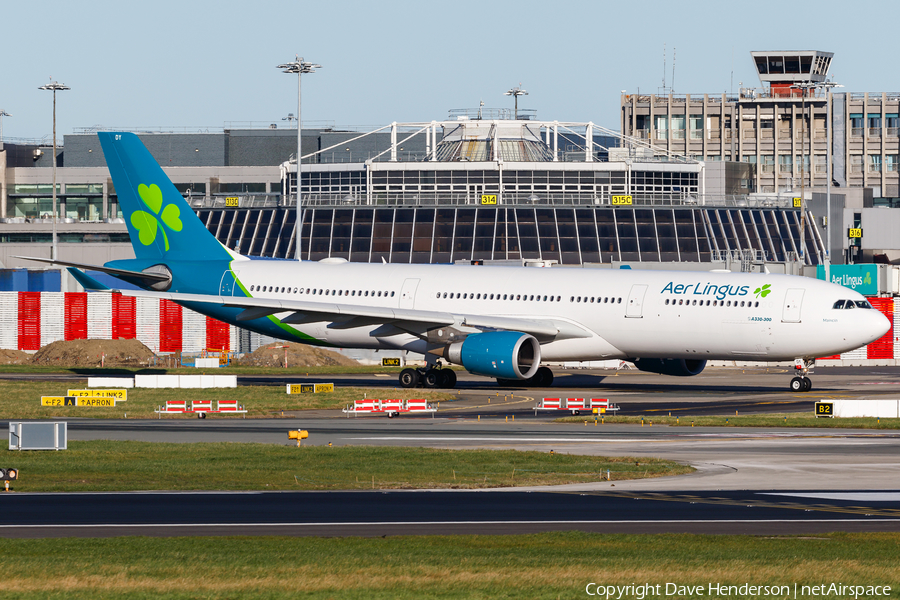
point(147, 223)
point(868, 279)
point(762, 292)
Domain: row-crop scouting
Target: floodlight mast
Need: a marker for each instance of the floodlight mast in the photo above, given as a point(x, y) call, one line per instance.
point(3, 113)
point(515, 93)
point(805, 86)
point(300, 67)
point(54, 87)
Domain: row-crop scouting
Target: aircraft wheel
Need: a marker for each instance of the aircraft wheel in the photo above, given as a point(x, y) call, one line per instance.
point(431, 378)
point(390, 415)
point(446, 379)
point(409, 378)
point(807, 384)
point(797, 385)
point(544, 377)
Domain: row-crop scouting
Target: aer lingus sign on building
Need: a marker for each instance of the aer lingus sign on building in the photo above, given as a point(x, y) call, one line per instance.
point(859, 278)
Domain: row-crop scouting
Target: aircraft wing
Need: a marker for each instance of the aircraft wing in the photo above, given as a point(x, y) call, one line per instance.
point(350, 315)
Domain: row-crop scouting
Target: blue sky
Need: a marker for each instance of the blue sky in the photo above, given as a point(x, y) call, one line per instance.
point(196, 64)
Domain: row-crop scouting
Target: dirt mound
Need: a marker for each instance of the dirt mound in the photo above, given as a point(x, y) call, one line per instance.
point(88, 353)
point(14, 357)
point(298, 355)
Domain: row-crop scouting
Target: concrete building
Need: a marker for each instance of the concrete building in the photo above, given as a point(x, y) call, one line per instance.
point(782, 128)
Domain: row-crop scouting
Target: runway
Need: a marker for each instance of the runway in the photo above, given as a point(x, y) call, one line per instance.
point(446, 512)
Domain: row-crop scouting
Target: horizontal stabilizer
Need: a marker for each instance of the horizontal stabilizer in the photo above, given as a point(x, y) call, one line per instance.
point(148, 278)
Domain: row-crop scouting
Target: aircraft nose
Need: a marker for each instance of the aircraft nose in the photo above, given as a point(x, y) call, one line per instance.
point(878, 326)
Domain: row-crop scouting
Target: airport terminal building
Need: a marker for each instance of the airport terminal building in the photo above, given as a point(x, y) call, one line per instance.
point(483, 185)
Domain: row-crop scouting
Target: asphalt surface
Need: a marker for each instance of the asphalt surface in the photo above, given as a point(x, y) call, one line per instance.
point(446, 512)
point(736, 467)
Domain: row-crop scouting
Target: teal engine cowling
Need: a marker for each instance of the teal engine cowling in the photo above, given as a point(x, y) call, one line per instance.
point(503, 354)
point(679, 367)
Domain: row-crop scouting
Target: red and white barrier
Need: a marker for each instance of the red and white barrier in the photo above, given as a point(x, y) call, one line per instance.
point(576, 405)
point(200, 406)
point(174, 406)
point(30, 320)
point(391, 408)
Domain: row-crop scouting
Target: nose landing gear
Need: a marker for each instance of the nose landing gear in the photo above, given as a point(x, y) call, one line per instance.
point(802, 383)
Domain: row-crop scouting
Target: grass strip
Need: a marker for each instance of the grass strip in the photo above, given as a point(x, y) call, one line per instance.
point(755, 420)
point(540, 566)
point(127, 466)
point(22, 400)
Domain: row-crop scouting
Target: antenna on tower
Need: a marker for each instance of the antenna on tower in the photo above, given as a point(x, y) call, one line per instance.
point(673, 68)
point(664, 68)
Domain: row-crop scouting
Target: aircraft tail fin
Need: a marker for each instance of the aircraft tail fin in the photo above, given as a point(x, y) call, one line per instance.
point(161, 224)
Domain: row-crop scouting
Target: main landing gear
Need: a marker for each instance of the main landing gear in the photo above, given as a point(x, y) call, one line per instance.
point(431, 377)
point(802, 383)
point(543, 377)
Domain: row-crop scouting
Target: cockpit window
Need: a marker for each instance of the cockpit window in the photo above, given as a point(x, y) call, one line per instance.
point(846, 304)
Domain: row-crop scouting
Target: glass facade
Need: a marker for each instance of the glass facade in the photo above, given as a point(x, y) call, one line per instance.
point(569, 235)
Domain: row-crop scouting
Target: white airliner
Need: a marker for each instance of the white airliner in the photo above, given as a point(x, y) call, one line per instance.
point(498, 322)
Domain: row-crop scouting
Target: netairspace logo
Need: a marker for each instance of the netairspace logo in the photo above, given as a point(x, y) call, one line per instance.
point(746, 590)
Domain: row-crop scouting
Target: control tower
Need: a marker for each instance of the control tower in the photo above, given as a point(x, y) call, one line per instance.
point(782, 69)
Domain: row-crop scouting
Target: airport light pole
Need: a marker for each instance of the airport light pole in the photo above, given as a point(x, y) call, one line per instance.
point(300, 67)
point(805, 86)
point(3, 113)
point(54, 87)
point(515, 93)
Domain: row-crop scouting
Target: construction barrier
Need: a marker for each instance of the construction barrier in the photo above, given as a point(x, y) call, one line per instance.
point(30, 320)
point(185, 381)
point(577, 405)
point(391, 408)
point(200, 407)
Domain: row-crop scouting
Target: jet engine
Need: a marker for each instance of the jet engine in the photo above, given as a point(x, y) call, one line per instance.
point(503, 354)
point(678, 367)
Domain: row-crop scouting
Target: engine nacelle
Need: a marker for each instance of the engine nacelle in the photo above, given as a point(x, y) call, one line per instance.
point(503, 354)
point(679, 367)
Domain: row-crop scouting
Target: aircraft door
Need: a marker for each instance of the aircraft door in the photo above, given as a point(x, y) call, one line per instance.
point(793, 300)
point(635, 306)
point(227, 285)
point(408, 293)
